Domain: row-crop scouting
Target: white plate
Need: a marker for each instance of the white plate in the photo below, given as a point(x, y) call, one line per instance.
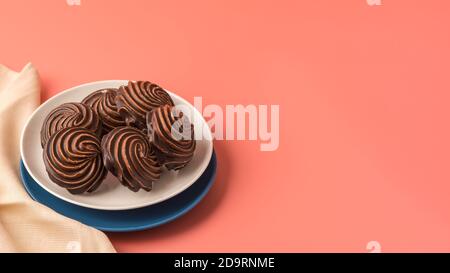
point(111, 195)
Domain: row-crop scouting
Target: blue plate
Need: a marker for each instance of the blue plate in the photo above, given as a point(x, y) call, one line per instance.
point(126, 220)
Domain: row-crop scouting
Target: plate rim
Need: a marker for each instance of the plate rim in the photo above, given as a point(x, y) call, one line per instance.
point(185, 210)
point(97, 207)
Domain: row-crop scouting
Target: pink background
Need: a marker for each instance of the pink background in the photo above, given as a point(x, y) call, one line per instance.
point(364, 102)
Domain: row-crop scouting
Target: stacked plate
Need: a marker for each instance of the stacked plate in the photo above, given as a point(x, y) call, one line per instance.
point(113, 207)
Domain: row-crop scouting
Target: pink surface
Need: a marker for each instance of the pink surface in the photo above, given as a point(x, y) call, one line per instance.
point(364, 104)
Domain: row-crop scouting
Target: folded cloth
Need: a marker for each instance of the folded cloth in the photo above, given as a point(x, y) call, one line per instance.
point(25, 225)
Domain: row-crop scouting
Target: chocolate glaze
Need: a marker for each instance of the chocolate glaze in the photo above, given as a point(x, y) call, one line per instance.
point(173, 150)
point(73, 160)
point(70, 115)
point(128, 154)
point(136, 99)
point(103, 102)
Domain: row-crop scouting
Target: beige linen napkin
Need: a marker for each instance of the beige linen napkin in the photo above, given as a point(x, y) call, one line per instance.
point(25, 225)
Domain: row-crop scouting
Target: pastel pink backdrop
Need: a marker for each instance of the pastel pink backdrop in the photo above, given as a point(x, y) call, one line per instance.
point(364, 104)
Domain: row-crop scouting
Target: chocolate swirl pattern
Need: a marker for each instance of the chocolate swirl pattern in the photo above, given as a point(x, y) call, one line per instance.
point(69, 115)
point(129, 156)
point(103, 102)
point(73, 160)
point(136, 99)
point(173, 148)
